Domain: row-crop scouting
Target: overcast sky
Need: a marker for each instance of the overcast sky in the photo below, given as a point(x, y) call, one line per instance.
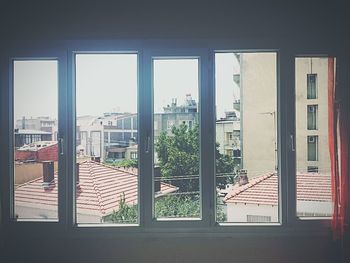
point(108, 82)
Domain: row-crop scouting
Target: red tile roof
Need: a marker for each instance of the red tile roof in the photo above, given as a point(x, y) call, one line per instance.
point(99, 191)
point(263, 190)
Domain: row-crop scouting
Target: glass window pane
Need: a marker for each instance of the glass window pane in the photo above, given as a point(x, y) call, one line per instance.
point(312, 151)
point(35, 145)
point(246, 137)
point(106, 175)
point(312, 117)
point(311, 86)
point(176, 153)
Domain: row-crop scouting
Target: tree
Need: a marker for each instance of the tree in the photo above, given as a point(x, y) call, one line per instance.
point(165, 206)
point(178, 155)
point(127, 163)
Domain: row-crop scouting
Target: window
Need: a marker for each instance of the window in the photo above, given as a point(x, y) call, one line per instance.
point(35, 82)
point(311, 86)
point(104, 184)
point(312, 117)
point(312, 169)
point(177, 156)
point(127, 123)
point(250, 183)
point(312, 142)
point(168, 147)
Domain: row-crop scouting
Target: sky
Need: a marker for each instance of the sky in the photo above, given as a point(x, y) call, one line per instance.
point(108, 83)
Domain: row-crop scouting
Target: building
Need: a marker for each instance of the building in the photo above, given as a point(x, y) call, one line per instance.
point(99, 193)
point(106, 136)
point(311, 104)
point(175, 115)
point(45, 124)
point(25, 137)
point(110, 135)
point(38, 151)
point(258, 91)
point(259, 119)
point(256, 201)
point(228, 134)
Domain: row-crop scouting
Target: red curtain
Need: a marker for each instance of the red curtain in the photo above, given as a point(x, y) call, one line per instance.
point(338, 130)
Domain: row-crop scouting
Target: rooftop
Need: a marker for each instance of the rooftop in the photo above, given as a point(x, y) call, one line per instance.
point(99, 192)
point(263, 190)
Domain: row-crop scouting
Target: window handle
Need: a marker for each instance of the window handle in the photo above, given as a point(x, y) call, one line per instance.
point(60, 140)
point(292, 146)
point(147, 144)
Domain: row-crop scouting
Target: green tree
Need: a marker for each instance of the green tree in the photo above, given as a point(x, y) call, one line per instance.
point(165, 206)
point(127, 163)
point(178, 155)
point(125, 213)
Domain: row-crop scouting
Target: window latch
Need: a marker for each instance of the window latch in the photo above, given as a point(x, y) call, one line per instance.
point(60, 140)
point(147, 144)
point(292, 146)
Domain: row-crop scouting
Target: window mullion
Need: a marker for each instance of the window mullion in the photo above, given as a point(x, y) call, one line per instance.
point(145, 139)
point(63, 208)
point(287, 138)
point(69, 141)
point(207, 138)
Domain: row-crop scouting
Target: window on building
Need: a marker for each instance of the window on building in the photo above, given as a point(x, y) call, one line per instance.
point(134, 123)
point(127, 123)
point(170, 124)
point(312, 142)
point(312, 169)
point(312, 117)
point(311, 86)
point(120, 124)
point(248, 183)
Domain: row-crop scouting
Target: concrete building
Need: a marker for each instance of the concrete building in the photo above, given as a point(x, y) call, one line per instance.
point(311, 103)
point(109, 136)
point(44, 123)
point(256, 201)
point(258, 85)
point(259, 119)
point(175, 115)
point(106, 136)
point(26, 136)
point(228, 131)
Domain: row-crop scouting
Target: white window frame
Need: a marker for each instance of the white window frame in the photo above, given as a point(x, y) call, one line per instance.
point(145, 49)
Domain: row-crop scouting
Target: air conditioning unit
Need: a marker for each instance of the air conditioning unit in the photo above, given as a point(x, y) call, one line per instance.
point(311, 139)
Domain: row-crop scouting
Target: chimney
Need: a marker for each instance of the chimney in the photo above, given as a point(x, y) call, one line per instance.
point(243, 177)
point(77, 173)
point(157, 178)
point(96, 159)
point(48, 173)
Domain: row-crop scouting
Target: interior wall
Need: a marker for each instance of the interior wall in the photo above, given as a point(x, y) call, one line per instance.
point(284, 24)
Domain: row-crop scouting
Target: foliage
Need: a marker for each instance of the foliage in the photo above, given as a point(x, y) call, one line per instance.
point(166, 206)
point(177, 206)
point(125, 213)
point(127, 163)
point(178, 155)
